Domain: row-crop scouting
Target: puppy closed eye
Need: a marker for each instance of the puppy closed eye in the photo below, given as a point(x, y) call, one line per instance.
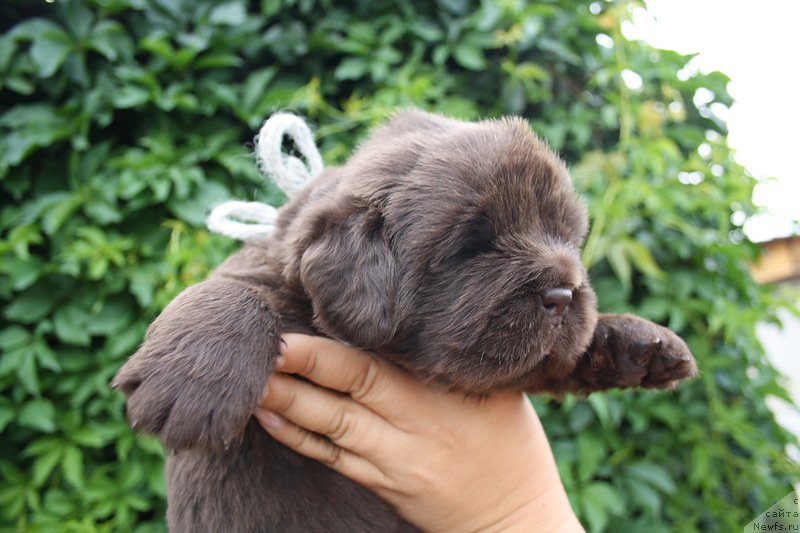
point(476, 238)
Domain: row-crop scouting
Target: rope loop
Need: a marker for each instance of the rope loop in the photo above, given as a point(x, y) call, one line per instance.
point(246, 220)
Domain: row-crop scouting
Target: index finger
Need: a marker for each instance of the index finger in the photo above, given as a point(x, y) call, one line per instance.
point(338, 367)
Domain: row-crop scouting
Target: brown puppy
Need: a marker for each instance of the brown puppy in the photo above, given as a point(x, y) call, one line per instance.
point(451, 248)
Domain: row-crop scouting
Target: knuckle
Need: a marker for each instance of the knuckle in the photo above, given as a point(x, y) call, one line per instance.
point(334, 458)
point(287, 401)
point(366, 382)
point(342, 427)
point(303, 441)
point(319, 448)
point(381, 481)
point(418, 479)
point(310, 364)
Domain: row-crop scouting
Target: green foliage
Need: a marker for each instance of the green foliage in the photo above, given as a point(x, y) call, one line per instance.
point(123, 120)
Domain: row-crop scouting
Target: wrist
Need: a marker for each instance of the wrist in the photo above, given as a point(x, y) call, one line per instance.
point(550, 512)
point(522, 511)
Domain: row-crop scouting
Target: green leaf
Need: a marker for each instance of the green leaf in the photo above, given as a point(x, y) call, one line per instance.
point(58, 214)
point(601, 409)
point(620, 264)
point(61, 504)
point(108, 38)
point(700, 465)
point(50, 53)
point(440, 54)
point(580, 416)
point(351, 68)
point(652, 474)
point(34, 29)
point(195, 208)
point(115, 315)
point(643, 260)
point(35, 125)
point(600, 501)
point(79, 17)
point(28, 374)
point(103, 212)
point(427, 31)
point(46, 356)
point(44, 465)
point(13, 337)
point(125, 342)
point(150, 445)
point(560, 50)
point(38, 414)
point(71, 323)
point(643, 495)
point(229, 13)
point(142, 287)
point(255, 85)
point(469, 57)
point(23, 272)
point(7, 414)
point(130, 96)
point(92, 436)
point(72, 466)
point(11, 360)
point(31, 306)
point(19, 85)
point(591, 453)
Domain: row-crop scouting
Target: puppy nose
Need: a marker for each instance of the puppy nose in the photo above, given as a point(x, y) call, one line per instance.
point(555, 301)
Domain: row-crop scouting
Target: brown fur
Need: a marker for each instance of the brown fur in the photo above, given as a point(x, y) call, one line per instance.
point(433, 246)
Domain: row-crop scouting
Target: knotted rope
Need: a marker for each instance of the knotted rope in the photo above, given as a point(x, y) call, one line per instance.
point(245, 220)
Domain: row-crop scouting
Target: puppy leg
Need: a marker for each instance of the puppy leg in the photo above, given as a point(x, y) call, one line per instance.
point(628, 351)
point(202, 368)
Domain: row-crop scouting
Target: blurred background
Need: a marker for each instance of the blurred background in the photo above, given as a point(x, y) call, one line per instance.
point(751, 47)
point(123, 121)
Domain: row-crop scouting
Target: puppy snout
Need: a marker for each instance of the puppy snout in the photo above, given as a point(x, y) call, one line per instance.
point(555, 301)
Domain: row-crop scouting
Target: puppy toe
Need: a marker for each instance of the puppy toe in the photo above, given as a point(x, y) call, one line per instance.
point(669, 364)
point(149, 406)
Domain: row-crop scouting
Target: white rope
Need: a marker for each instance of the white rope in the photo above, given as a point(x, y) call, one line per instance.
point(242, 220)
point(289, 172)
point(245, 220)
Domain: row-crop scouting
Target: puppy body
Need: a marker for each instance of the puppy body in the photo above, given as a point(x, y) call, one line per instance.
point(451, 248)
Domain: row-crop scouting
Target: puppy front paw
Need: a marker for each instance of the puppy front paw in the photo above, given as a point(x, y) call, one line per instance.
point(629, 351)
point(187, 406)
point(666, 358)
point(203, 366)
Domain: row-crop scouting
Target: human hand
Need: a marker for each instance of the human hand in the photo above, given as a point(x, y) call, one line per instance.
point(444, 460)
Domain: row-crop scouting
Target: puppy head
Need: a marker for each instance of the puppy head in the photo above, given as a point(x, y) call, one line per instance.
point(453, 249)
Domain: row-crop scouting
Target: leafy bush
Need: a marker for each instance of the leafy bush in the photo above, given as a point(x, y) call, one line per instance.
point(123, 120)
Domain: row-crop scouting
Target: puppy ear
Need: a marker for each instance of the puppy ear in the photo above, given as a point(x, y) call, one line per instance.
point(351, 276)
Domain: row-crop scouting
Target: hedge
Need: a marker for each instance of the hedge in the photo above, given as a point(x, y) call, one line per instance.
point(124, 120)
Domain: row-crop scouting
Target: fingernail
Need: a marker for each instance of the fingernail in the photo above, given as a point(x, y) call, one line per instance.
point(283, 342)
point(280, 361)
point(269, 419)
